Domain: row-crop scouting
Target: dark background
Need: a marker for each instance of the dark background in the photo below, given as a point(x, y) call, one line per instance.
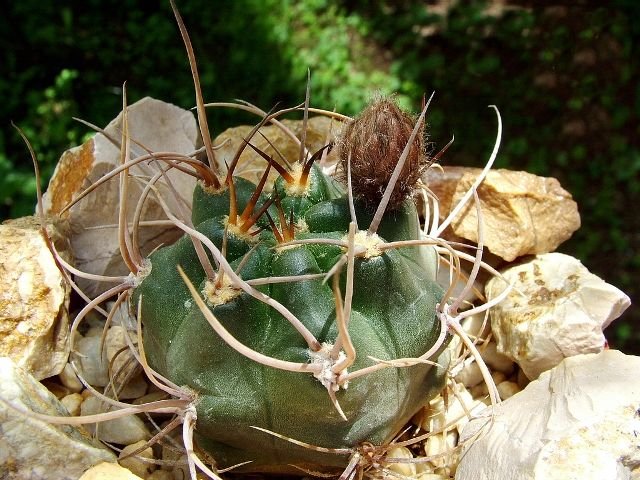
point(563, 74)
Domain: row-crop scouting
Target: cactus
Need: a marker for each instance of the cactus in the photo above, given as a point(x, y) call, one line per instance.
point(336, 297)
point(298, 326)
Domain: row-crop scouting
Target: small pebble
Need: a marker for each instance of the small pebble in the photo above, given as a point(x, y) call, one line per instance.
point(470, 376)
point(91, 366)
point(123, 431)
point(496, 360)
point(473, 325)
point(406, 469)
point(498, 377)
point(69, 379)
point(135, 463)
point(439, 444)
point(118, 353)
point(72, 403)
point(108, 471)
point(508, 389)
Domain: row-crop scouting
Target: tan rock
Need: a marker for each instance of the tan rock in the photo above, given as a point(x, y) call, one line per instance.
point(34, 301)
point(523, 213)
point(403, 469)
point(72, 403)
point(139, 463)
point(556, 309)
point(251, 165)
point(126, 372)
point(35, 449)
point(158, 126)
point(108, 471)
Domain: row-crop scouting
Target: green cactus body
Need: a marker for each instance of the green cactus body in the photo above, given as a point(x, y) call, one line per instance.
point(393, 316)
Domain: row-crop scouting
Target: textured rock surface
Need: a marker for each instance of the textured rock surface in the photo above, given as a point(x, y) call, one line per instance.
point(158, 126)
point(31, 449)
point(562, 313)
point(251, 165)
point(136, 463)
point(108, 471)
point(124, 430)
point(34, 301)
point(585, 426)
point(523, 213)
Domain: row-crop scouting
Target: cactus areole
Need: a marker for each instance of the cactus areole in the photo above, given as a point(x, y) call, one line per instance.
point(392, 316)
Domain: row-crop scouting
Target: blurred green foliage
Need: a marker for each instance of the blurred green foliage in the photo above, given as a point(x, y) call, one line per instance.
point(564, 76)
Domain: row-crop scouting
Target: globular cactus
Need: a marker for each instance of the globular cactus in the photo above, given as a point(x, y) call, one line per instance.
point(297, 326)
point(317, 300)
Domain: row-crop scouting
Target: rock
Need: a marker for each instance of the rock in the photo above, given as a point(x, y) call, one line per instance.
point(470, 375)
point(452, 415)
point(34, 301)
point(108, 471)
point(579, 420)
point(32, 449)
point(443, 448)
point(477, 326)
point(251, 165)
point(124, 367)
point(69, 379)
point(523, 213)
point(562, 313)
point(136, 463)
point(507, 389)
point(123, 431)
point(496, 360)
point(93, 367)
point(158, 126)
point(404, 469)
point(72, 403)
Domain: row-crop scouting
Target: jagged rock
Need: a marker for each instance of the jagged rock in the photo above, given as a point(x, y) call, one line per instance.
point(320, 131)
point(34, 300)
point(579, 420)
point(563, 311)
point(158, 126)
point(108, 471)
point(523, 213)
point(32, 449)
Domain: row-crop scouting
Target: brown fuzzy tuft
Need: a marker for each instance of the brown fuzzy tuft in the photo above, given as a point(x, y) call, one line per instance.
point(375, 140)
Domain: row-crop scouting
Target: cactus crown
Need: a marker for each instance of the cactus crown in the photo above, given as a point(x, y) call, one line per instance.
point(373, 143)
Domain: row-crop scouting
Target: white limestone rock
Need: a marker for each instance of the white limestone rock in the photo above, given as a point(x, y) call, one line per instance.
point(578, 421)
point(158, 126)
point(34, 302)
point(32, 449)
point(562, 313)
